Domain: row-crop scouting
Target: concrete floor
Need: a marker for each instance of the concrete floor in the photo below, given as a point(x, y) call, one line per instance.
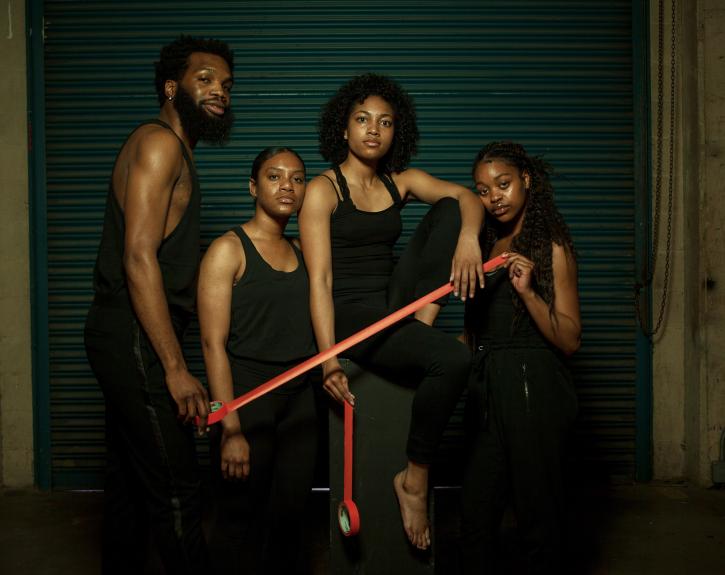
point(657, 529)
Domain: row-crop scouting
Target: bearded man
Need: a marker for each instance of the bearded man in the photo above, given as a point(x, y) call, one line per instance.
point(145, 287)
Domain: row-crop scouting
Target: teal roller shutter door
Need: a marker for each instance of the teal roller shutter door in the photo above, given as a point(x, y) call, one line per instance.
point(557, 76)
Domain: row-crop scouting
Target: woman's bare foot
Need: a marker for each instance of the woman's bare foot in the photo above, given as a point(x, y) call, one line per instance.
point(413, 501)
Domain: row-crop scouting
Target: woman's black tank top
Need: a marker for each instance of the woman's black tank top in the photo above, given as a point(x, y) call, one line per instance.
point(492, 316)
point(178, 254)
point(270, 315)
point(362, 244)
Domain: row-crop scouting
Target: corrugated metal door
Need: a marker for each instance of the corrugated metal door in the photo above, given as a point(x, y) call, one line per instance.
point(557, 76)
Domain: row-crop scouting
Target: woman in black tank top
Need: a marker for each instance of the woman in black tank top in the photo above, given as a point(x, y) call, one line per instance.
point(255, 323)
point(349, 225)
point(521, 399)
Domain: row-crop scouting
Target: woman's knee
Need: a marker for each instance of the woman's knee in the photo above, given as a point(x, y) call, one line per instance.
point(446, 209)
point(446, 204)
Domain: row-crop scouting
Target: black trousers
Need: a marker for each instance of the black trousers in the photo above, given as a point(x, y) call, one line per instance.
point(410, 351)
point(520, 406)
point(152, 479)
point(258, 522)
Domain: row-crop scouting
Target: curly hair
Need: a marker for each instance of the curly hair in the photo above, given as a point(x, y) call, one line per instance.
point(335, 115)
point(543, 224)
point(174, 59)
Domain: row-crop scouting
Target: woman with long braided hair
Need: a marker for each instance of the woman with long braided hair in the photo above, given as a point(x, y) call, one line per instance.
point(521, 399)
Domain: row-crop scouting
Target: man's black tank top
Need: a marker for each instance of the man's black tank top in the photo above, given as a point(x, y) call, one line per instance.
point(178, 254)
point(270, 315)
point(362, 244)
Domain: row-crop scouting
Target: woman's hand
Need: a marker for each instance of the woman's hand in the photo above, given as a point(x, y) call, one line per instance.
point(521, 272)
point(334, 381)
point(467, 267)
point(234, 455)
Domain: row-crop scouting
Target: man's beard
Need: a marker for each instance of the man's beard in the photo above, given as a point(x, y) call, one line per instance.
point(200, 125)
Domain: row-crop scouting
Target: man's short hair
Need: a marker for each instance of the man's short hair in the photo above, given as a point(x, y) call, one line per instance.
point(174, 59)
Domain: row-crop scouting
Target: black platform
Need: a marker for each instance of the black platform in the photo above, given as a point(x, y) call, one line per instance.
point(382, 416)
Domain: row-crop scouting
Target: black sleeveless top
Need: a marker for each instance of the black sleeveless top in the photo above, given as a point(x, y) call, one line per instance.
point(178, 254)
point(491, 316)
point(270, 315)
point(510, 355)
point(362, 243)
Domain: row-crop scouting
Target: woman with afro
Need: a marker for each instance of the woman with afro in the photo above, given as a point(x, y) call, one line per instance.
point(349, 225)
point(521, 399)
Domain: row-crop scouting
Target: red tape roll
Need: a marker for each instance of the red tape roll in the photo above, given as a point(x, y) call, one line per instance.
point(339, 347)
point(348, 516)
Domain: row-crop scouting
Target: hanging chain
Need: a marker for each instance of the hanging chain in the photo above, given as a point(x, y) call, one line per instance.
point(658, 177)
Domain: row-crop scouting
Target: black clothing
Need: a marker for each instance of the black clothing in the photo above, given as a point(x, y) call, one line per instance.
point(520, 404)
point(410, 351)
point(270, 319)
point(362, 245)
point(258, 522)
point(178, 253)
point(152, 480)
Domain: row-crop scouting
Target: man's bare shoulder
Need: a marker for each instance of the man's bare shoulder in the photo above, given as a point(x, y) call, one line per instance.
point(150, 165)
point(154, 140)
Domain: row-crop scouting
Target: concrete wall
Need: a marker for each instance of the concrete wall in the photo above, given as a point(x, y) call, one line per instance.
point(712, 384)
point(689, 351)
point(671, 349)
point(16, 416)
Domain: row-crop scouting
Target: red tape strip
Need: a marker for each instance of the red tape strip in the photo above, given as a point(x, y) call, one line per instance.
point(348, 516)
point(339, 347)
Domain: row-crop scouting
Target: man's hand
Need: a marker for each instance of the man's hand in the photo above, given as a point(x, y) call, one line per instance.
point(190, 397)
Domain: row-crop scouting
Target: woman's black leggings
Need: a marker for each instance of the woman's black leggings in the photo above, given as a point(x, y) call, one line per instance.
point(411, 351)
point(258, 522)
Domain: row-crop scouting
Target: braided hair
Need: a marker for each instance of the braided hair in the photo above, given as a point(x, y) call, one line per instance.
point(543, 225)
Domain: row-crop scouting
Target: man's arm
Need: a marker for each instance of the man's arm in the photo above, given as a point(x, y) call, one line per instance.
point(153, 171)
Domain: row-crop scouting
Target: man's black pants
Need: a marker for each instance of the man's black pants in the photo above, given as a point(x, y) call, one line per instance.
point(152, 478)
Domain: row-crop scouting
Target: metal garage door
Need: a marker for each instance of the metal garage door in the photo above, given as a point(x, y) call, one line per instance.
point(561, 77)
